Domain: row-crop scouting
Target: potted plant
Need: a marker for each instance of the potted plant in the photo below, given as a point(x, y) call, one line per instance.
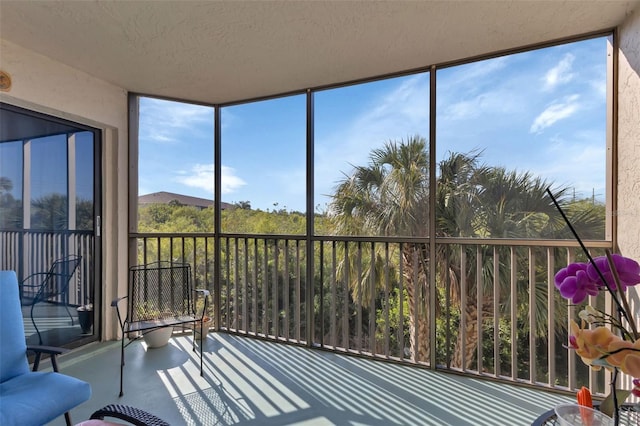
point(158, 337)
point(207, 319)
point(85, 317)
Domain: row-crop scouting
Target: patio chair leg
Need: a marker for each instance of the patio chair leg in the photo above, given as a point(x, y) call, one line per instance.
point(69, 312)
point(202, 341)
point(122, 362)
point(33, 321)
point(67, 418)
point(36, 361)
point(195, 336)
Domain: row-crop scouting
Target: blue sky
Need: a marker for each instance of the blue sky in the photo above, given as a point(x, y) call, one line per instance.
point(541, 111)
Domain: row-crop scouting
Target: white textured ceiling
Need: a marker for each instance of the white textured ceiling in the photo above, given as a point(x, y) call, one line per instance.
point(222, 51)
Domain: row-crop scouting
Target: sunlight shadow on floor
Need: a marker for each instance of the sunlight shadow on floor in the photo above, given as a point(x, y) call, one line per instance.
point(250, 382)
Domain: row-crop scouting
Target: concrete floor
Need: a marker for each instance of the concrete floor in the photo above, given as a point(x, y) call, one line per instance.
point(253, 382)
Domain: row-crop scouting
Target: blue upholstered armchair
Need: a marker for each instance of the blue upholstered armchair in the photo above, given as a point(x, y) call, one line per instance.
point(30, 397)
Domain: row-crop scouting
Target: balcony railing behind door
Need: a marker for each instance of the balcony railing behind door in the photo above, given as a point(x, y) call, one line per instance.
point(28, 252)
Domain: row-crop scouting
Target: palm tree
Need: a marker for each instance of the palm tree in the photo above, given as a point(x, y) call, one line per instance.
point(389, 197)
point(5, 184)
point(492, 202)
point(475, 201)
point(50, 212)
point(10, 208)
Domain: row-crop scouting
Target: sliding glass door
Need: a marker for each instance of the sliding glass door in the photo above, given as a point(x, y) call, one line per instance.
point(50, 222)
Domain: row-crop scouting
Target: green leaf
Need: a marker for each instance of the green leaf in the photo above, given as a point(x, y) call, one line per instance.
point(607, 405)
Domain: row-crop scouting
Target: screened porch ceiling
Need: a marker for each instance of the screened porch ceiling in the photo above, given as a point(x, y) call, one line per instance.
point(225, 51)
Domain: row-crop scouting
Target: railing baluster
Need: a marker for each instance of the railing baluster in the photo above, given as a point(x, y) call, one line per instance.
point(359, 304)
point(401, 313)
point(462, 338)
point(551, 314)
point(287, 313)
point(572, 364)
point(387, 300)
point(532, 317)
point(276, 292)
point(513, 283)
point(237, 286)
point(227, 284)
point(479, 308)
point(345, 297)
point(417, 301)
point(334, 296)
point(265, 289)
point(372, 300)
point(496, 312)
point(321, 314)
point(298, 297)
point(447, 314)
point(245, 286)
point(256, 288)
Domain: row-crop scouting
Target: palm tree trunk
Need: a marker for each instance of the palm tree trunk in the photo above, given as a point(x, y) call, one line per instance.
point(470, 344)
point(415, 279)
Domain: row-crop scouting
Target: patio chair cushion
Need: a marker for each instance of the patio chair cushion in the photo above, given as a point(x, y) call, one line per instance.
point(26, 397)
point(39, 397)
point(12, 355)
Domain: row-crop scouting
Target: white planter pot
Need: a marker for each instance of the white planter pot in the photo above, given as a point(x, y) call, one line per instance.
point(205, 328)
point(158, 338)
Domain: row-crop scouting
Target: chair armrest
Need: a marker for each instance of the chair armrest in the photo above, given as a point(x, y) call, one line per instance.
point(114, 302)
point(53, 351)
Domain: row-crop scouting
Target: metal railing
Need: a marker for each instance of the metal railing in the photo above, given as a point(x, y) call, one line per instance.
point(493, 312)
point(28, 252)
point(487, 307)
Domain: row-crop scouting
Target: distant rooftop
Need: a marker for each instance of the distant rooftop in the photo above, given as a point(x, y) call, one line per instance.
point(163, 197)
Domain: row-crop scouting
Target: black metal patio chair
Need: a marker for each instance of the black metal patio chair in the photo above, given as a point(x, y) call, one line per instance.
point(132, 415)
point(50, 286)
point(159, 295)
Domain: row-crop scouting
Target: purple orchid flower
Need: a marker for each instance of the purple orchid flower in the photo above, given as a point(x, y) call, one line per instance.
point(628, 271)
point(574, 283)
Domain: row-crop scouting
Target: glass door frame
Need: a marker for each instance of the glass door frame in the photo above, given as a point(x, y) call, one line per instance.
point(90, 242)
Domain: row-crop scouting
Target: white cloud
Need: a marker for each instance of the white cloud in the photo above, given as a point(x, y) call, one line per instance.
point(481, 89)
point(497, 101)
point(231, 182)
point(166, 121)
point(561, 73)
point(201, 176)
point(599, 87)
point(466, 77)
point(555, 112)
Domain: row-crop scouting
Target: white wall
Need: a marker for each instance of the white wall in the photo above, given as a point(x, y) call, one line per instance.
point(44, 85)
point(628, 210)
